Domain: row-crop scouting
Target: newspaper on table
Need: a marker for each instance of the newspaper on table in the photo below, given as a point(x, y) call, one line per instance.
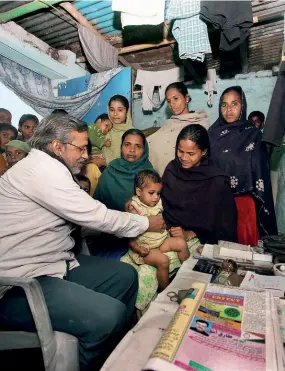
point(219, 328)
point(254, 281)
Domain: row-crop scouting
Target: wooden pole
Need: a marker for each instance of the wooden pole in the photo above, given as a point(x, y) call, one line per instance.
point(135, 48)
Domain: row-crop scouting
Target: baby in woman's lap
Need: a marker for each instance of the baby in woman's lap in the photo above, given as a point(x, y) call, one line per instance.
point(150, 247)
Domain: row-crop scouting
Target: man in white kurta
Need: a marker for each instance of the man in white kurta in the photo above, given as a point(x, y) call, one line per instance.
point(88, 297)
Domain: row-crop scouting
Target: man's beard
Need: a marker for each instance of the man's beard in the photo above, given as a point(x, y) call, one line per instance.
point(75, 170)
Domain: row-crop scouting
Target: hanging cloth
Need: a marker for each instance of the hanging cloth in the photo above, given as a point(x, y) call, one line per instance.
point(188, 29)
point(210, 87)
point(137, 12)
point(274, 128)
point(150, 79)
point(37, 90)
point(233, 18)
point(100, 54)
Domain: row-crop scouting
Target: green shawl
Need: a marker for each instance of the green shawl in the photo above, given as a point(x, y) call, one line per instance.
point(116, 184)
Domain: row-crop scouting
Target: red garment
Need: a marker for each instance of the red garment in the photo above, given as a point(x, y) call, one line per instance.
point(247, 228)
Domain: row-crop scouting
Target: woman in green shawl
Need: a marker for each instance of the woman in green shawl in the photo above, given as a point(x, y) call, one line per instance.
point(116, 184)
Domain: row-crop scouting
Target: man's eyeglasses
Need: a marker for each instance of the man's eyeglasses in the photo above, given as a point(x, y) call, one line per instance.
point(82, 149)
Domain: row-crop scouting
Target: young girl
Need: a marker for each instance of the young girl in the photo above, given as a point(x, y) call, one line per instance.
point(149, 248)
point(27, 126)
point(120, 117)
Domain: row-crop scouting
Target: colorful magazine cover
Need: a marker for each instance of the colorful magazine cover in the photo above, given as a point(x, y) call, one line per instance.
point(219, 329)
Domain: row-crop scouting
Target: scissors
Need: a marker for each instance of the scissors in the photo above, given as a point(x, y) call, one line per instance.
point(172, 296)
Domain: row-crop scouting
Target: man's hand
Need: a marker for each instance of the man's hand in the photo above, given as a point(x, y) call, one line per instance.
point(132, 207)
point(107, 143)
point(156, 224)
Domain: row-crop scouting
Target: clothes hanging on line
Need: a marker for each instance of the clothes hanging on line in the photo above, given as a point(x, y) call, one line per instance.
point(137, 12)
point(188, 29)
point(100, 54)
point(210, 87)
point(233, 18)
point(150, 79)
point(274, 128)
point(38, 91)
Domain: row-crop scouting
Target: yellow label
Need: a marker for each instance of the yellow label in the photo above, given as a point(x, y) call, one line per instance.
point(173, 335)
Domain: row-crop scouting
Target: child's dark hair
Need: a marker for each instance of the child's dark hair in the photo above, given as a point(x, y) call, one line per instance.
point(27, 117)
point(197, 134)
point(145, 176)
point(102, 117)
point(121, 99)
point(82, 178)
point(258, 114)
point(4, 126)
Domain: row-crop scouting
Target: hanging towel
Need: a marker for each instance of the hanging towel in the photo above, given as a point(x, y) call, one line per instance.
point(210, 87)
point(274, 128)
point(233, 18)
point(100, 54)
point(190, 32)
point(149, 79)
point(137, 12)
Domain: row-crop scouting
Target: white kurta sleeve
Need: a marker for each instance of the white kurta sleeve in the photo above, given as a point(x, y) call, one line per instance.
point(54, 189)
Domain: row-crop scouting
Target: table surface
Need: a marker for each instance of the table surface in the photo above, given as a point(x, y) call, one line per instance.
point(133, 351)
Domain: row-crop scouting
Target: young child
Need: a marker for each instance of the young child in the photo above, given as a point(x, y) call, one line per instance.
point(16, 150)
point(84, 182)
point(7, 132)
point(150, 247)
point(27, 127)
point(97, 132)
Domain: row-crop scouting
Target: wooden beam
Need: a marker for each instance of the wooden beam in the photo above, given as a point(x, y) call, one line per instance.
point(135, 48)
point(84, 22)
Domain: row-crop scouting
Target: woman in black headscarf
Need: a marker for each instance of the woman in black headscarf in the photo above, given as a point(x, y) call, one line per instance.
point(237, 149)
point(196, 195)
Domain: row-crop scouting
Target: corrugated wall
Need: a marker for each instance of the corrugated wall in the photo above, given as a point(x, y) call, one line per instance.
point(59, 31)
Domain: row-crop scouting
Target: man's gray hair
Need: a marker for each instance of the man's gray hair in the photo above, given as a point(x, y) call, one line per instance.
point(54, 127)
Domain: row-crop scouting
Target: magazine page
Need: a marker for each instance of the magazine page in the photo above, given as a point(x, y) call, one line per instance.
point(226, 332)
point(167, 347)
